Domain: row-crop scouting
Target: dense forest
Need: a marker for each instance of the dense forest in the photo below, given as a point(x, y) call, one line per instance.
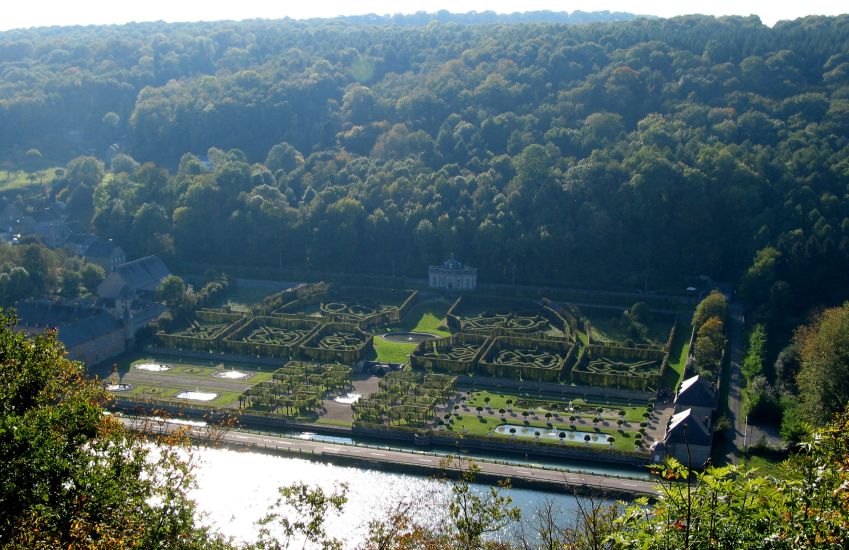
point(627, 154)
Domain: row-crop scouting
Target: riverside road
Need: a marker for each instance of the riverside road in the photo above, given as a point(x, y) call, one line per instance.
point(411, 461)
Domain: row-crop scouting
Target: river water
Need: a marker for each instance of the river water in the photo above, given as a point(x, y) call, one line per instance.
point(236, 488)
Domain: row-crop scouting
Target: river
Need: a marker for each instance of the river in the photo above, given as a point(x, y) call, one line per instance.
point(236, 488)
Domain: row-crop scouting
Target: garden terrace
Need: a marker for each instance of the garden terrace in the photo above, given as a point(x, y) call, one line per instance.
point(406, 399)
point(297, 389)
point(298, 294)
point(270, 336)
point(365, 308)
point(337, 343)
point(456, 354)
point(609, 325)
point(493, 316)
point(204, 332)
point(620, 367)
point(541, 360)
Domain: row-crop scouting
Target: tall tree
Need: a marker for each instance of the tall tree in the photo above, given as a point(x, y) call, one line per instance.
point(824, 352)
point(71, 476)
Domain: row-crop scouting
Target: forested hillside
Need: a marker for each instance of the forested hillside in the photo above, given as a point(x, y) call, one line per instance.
point(622, 154)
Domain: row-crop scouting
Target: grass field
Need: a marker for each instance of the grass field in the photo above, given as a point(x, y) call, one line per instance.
point(607, 326)
point(203, 372)
point(187, 375)
point(241, 298)
point(165, 392)
point(677, 358)
point(125, 362)
point(633, 413)
point(767, 464)
point(426, 317)
point(20, 180)
point(486, 423)
point(392, 352)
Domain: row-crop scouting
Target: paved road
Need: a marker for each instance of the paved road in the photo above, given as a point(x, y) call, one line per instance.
point(735, 389)
point(420, 462)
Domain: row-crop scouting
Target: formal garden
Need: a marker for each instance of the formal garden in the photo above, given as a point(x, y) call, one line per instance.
point(297, 389)
point(184, 381)
point(364, 307)
point(405, 399)
point(324, 330)
point(525, 358)
point(616, 424)
point(203, 331)
point(270, 336)
point(490, 315)
point(337, 342)
point(455, 354)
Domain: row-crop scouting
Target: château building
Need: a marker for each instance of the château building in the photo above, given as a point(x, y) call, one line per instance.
point(453, 275)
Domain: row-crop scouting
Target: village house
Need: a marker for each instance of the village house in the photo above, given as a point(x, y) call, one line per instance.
point(96, 250)
point(129, 292)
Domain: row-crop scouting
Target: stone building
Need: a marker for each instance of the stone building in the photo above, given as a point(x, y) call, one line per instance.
point(688, 439)
point(96, 250)
point(698, 395)
point(453, 275)
point(135, 279)
point(89, 334)
point(129, 292)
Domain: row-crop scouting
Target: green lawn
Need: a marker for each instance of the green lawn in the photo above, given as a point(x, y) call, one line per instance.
point(767, 465)
point(242, 297)
point(633, 413)
point(426, 317)
point(606, 324)
point(483, 425)
point(392, 352)
point(20, 180)
point(165, 392)
point(677, 358)
point(329, 422)
point(186, 366)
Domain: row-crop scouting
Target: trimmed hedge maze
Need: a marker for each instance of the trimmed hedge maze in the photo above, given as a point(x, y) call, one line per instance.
point(620, 367)
point(337, 342)
point(204, 331)
point(407, 399)
point(365, 308)
point(491, 317)
point(270, 336)
point(297, 389)
point(456, 354)
point(541, 360)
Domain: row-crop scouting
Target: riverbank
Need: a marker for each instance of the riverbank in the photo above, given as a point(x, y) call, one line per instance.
point(414, 462)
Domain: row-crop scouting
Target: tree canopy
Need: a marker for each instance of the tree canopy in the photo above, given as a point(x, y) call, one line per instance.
point(72, 476)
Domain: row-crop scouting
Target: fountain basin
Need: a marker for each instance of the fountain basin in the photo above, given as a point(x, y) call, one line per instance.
point(196, 395)
point(232, 374)
point(347, 399)
point(572, 436)
point(152, 367)
point(408, 337)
